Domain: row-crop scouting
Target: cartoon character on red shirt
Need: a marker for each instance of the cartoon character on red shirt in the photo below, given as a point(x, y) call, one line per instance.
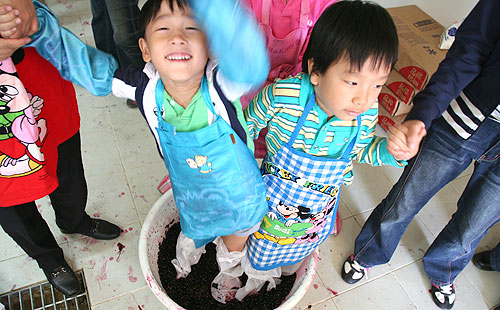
point(21, 135)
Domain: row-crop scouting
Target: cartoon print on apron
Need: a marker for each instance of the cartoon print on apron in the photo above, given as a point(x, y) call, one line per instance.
point(303, 193)
point(216, 182)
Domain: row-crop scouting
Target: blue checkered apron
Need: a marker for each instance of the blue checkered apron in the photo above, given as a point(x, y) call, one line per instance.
point(302, 193)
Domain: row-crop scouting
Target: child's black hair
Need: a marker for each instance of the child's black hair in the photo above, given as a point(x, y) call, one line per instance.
point(150, 9)
point(357, 30)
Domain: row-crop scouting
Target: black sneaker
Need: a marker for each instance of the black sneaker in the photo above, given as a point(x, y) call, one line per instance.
point(443, 296)
point(352, 271)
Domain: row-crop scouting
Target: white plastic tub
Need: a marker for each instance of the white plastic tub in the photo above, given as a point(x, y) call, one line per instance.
point(163, 215)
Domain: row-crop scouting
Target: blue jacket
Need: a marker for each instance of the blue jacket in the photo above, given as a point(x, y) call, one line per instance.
point(472, 65)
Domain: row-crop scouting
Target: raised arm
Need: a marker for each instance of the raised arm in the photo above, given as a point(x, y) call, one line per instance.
point(235, 38)
point(76, 61)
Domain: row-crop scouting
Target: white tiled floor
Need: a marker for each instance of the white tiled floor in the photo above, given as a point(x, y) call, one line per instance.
point(123, 170)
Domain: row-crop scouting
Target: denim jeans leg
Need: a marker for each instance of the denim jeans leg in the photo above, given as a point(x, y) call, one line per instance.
point(495, 258)
point(124, 17)
point(430, 170)
point(101, 27)
point(477, 211)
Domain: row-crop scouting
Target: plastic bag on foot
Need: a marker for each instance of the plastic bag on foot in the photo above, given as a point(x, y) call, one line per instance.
point(227, 282)
point(257, 279)
point(186, 255)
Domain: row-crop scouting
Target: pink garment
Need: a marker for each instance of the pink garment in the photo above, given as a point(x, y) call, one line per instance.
point(287, 27)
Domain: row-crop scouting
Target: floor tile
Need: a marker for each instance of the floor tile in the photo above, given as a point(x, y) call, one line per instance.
point(93, 114)
point(142, 299)
point(47, 211)
point(144, 183)
point(325, 305)
point(9, 248)
point(316, 293)
point(415, 241)
point(110, 199)
point(111, 267)
point(343, 210)
point(438, 211)
point(385, 293)
point(392, 173)
point(100, 153)
point(12, 278)
point(369, 187)
point(120, 114)
point(415, 282)
point(332, 254)
point(486, 282)
point(23, 271)
point(137, 145)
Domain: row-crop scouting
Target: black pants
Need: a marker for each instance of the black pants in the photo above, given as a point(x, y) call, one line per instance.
point(25, 225)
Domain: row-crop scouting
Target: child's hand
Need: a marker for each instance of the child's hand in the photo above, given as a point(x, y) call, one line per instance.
point(25, 11)
point(404, 139)
point(9, 20)
point(396, 142)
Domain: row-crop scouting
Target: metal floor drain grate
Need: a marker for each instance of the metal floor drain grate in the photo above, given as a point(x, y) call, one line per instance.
point(43, 296)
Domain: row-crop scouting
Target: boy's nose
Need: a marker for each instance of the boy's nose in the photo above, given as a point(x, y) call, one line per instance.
point(177, 39)
point(361, 97)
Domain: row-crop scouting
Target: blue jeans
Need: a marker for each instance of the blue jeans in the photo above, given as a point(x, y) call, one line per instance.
point(442, 157)
point(116, 29)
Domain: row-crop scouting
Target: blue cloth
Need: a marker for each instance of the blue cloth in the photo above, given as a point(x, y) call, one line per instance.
point(115, 25)
point(443, 156)
point(235, 38)
point(215, 179)
point(76, 61)
point(472, 64)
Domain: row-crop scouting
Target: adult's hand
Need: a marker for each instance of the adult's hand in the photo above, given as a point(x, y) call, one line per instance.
point(9, 46)
point(27, 15)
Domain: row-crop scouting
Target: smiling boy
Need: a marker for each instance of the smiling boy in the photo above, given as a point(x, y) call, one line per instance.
point(191, 104)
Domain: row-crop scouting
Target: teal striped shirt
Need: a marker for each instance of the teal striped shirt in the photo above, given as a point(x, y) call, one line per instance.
point(279, 106)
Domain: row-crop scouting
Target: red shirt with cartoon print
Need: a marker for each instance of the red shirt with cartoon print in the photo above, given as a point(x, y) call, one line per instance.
point(34, 120)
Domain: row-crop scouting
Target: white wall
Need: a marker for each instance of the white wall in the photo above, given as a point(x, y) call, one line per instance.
point(446, 11)
point(443, 11)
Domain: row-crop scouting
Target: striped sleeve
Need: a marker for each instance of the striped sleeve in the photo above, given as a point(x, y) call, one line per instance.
point(371, 149)
point(260, 110)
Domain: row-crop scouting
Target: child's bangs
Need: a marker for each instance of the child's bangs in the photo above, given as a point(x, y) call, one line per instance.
point(181, 4)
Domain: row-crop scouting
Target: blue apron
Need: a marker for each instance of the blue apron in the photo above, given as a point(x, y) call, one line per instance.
point(216, 182)
point(303, 193)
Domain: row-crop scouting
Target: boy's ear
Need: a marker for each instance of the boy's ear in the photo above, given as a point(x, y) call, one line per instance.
point(143, 45)
point(314, 76)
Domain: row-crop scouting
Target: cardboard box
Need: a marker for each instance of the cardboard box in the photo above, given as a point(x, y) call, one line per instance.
point(385, 120)
point(419, 35)
point(391, 103)
point(400, 86)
